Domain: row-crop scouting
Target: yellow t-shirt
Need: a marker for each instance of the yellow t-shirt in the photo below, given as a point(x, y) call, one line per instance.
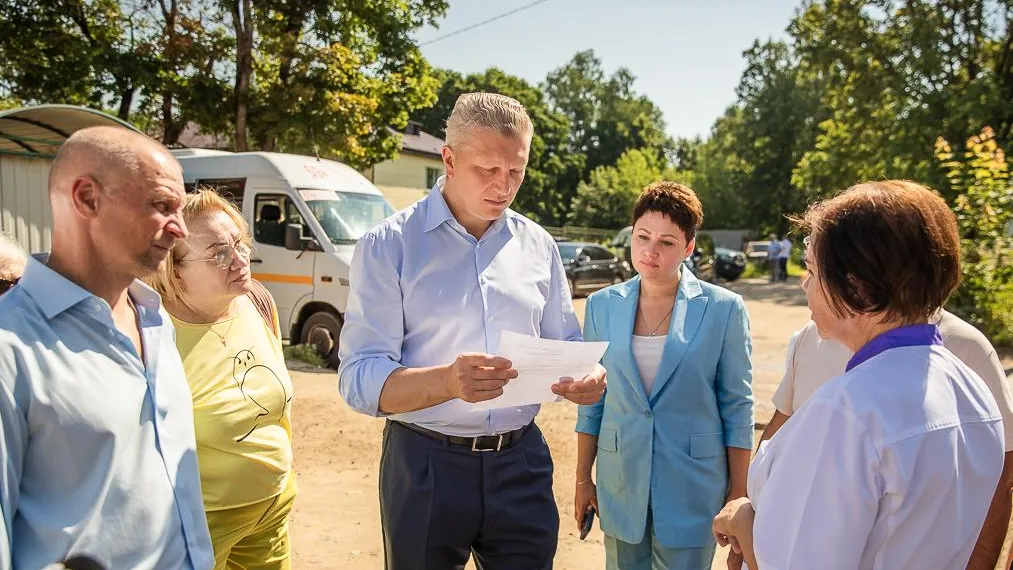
point(242, 402)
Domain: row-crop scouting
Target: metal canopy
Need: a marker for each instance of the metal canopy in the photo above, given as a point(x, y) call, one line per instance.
point(39, 131)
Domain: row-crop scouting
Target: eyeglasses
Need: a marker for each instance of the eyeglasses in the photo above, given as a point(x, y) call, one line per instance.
point(225, 257)
point(6, 284)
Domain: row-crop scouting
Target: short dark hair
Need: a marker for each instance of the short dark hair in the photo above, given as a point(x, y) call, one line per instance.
point(677, 202)
point(889, 247)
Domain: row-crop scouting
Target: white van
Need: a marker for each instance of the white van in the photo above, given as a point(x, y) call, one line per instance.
point(306, 215)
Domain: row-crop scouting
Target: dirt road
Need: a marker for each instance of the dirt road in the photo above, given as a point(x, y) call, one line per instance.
point(336, 520)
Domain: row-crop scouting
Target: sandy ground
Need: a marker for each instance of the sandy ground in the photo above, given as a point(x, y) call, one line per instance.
point(336, 523)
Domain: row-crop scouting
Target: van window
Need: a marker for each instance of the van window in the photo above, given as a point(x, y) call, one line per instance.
point(345, 216)
point(272, 212)
point(230, 188)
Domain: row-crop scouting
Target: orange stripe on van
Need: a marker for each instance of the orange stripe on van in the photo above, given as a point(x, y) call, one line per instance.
point(279, 278)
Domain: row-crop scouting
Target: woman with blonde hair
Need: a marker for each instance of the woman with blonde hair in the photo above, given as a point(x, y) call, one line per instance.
point(228, 336)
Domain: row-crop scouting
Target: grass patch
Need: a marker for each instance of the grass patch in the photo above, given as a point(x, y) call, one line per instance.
point(756, 269)
point(305, 353)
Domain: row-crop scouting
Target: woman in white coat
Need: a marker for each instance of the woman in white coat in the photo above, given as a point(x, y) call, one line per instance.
point(865, 474)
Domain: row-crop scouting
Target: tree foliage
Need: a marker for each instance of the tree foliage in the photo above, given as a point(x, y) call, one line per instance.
point(606, 199)
point(327, 76)
point(980, 179)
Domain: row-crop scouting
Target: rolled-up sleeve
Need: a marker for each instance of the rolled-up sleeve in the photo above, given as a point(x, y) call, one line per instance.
point(559, 322)
point(735, 378)
point(589, 417)
point(13, 440)
point(373, 331)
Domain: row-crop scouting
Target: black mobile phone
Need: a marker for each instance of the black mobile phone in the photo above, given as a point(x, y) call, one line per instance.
point(588, 521)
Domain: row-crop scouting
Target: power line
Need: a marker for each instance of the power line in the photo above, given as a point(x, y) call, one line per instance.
point(484, 22)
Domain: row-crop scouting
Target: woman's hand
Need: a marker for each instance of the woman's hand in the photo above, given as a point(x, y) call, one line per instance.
point(734, 526)
point(585, 496)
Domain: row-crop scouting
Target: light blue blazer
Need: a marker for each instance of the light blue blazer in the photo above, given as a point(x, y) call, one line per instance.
point(666, 451)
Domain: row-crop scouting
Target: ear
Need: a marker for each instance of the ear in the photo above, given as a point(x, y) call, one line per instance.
point(448, 161)
point(85, 195)
point(690, 248)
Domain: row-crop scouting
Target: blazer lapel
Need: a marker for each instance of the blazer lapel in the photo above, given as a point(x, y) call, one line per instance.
point(624, 314)
point(687, 314)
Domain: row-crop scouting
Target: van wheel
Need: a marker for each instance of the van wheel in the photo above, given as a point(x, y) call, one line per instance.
point(322, 331)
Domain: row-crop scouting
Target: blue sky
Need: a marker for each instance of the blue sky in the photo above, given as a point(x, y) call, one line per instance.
point(686, 54)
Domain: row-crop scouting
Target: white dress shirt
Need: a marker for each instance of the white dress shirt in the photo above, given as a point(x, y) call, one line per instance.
point(891, 466)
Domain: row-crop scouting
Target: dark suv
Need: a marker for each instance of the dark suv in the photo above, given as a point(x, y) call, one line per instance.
point(729, 263)
point(590, 267)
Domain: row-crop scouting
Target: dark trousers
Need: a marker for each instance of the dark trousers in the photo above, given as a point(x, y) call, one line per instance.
point(782, 265)
point(439, 503)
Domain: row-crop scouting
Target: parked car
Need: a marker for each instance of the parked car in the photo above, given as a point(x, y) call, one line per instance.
point(621, 244)
point(757, 250)
point(728, 263)
point(590, 267)
point(701, 261)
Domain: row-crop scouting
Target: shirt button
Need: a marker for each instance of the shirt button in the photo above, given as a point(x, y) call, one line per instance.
point(647, 413)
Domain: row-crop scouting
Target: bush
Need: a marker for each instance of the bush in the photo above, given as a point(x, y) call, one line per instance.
point(305, 353)
point(983, 203)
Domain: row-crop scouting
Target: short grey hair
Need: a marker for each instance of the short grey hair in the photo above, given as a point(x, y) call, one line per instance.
point(499, 113)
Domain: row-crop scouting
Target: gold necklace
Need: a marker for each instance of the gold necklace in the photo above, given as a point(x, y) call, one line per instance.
point(220, 336)
point(646, 326)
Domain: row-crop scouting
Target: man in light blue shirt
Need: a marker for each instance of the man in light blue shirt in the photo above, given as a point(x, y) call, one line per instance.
point(432, 289)
point(96, 420)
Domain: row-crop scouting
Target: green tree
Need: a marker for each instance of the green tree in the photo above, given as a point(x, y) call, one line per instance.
point(82, 52)
point(542, 196)
point(897, 73)
point(745, 169)
point(607, 117)
point(720, 174)
point(192, 45)
point(606, 199)
point(330, 76)
point(980, 179)
point(327, 76)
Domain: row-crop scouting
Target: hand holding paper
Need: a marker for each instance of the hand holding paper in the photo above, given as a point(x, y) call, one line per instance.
point(541, 363)
point(585, 391)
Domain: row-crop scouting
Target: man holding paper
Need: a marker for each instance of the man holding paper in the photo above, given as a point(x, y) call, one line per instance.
point(433, 290)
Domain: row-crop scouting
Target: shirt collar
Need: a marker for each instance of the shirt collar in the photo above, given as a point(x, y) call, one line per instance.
point(54, 293)
point(438, 212)
point(913, 335)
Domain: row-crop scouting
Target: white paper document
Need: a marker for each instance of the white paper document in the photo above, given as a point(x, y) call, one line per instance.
point(540, 363)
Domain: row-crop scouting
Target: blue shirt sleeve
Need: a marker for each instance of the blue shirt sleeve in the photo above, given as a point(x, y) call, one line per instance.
point(13, 441)
point(559, 322)
point(735, 378)
point(373, 331)
point(589, 417)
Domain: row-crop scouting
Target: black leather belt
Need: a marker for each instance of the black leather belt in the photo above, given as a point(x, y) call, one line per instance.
point(481, 443)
